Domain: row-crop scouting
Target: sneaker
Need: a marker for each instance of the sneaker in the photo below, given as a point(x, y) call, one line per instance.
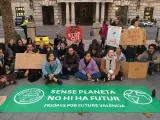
point(96, 80)
point(121, 78)
point(78, 79)
point(59, 82)
point(48, 82)
point(63, 77)
point(151, 73)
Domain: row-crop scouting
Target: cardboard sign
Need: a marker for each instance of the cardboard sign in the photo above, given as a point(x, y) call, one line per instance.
point(133, 37)
point(113, 36)
point(74, 33)
point(135, 69)
point(2, 99)
point(29, 61)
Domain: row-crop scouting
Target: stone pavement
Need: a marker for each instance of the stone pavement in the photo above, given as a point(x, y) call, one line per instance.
point(152, 82)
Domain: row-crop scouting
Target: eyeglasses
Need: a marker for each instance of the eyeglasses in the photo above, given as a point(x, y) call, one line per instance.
point(151, 48)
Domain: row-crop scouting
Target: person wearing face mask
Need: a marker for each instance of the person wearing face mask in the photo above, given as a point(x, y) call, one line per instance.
point(151, 56)
point(51, 68)
point(88, 69)
point(110, 69)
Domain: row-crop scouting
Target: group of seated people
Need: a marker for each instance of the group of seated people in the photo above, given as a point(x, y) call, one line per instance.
point(62, 60)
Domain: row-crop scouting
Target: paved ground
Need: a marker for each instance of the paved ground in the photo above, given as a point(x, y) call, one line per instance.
point(151, 82)
point(51, 31)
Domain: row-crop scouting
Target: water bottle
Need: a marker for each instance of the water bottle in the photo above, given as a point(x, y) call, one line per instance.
point(154, 93)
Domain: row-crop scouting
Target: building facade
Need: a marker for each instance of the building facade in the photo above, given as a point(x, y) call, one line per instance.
point(86, 12)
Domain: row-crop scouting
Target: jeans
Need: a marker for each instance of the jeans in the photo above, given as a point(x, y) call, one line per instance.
point(152, 67)
point(84, 77)
point(65, 71)
point(117, 77)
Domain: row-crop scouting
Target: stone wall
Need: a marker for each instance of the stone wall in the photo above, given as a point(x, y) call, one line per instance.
point(21, 3)
point(57, 14)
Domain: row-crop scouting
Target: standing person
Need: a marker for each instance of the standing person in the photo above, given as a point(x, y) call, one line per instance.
point(70, 63)
point(20, 47)
point(151, 56)
point(132, 50)
point(110, 69)
point(117, 22)
point(24, 26)
point(51, 68)
point(88, 69)
point(103, 34)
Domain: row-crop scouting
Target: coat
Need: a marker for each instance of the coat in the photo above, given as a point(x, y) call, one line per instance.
point(103, 66)
point(144, 57)
point(104, 31)
point(56, 67)
point(71, 61)
point(91, 68)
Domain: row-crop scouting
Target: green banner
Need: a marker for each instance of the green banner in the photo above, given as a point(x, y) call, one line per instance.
point(81, 98)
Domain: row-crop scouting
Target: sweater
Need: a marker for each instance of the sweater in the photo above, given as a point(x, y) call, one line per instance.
point(54, 68)
point(91, 68)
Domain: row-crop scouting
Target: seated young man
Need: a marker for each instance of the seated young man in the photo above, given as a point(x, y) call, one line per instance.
point(70, 63)
point(151, 56)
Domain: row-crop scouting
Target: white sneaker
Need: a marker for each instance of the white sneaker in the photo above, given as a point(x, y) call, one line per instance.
point(78, 79)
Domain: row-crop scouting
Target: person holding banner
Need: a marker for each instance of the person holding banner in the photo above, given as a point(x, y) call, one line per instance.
point(88, 69)
point(151, 56)
point(110, 69)
point(51, 69)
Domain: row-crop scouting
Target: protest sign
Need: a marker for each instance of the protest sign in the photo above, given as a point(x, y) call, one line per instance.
point(81, 98)
point(74, 33)
point(135, 69)
point(2, 99)
point(29, 61)
point(113, 36)
point(133, 37)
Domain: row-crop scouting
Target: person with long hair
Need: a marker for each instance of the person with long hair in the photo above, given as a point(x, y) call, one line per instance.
point(51, 68)
point(20, 47)
point(110, 69)
point(88, 69)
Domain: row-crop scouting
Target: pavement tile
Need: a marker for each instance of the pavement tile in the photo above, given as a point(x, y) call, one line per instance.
point(75, 116)
point(6, 116)
point(100, 116)
point(50, 116)
point(24, 116)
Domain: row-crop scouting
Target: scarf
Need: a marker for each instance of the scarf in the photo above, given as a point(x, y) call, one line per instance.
point(110, 63)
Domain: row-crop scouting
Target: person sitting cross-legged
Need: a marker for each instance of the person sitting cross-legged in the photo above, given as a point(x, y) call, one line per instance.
point(88, 69)
point(70, 63)
point(110, 69)
point(51, 68)
point(151, 56)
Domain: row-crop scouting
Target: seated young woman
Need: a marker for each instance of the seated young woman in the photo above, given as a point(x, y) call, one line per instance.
point(51, 68)
point(21, 48)
point(119, 54)
point(110, 69)
point(88, 69)
point(70, 63)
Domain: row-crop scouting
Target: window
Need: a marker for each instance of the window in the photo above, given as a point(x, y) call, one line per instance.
point(148, 13)
point(20, 11)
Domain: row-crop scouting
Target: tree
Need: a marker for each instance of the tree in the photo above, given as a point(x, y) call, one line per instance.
point(7, 18)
